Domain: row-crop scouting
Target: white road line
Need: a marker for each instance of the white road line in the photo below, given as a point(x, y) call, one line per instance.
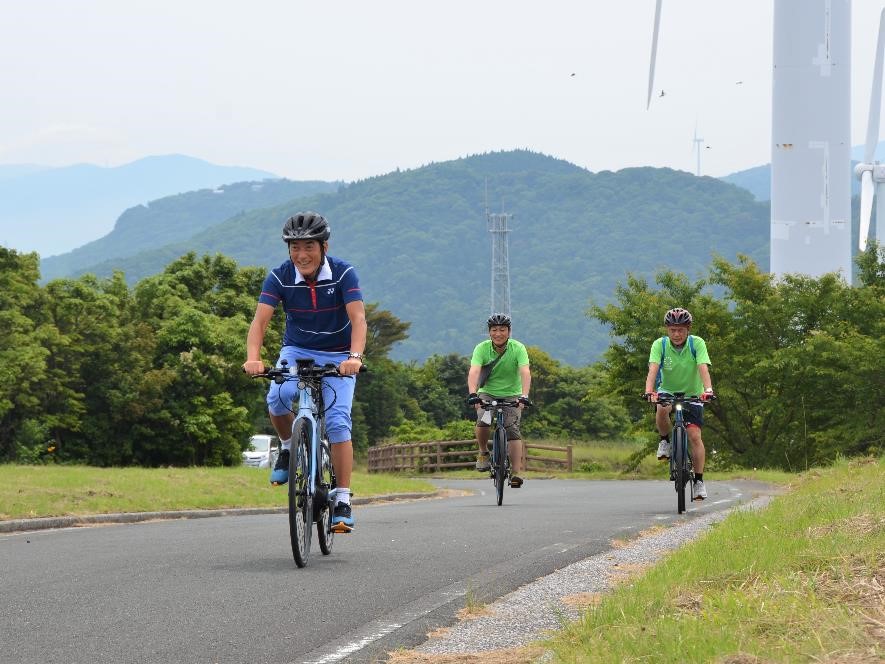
point(354, 646)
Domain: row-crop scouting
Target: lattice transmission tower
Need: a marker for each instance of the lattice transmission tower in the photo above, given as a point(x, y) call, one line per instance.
point(497, 224)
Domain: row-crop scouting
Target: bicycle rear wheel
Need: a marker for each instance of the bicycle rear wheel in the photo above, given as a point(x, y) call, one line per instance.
point(322, 504)
point(680, 457)
point(300, 502)
point(499, 449)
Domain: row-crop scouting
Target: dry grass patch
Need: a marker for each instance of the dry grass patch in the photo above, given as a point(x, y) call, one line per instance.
point(621, 543)
point(740, 658)
point(621, 572)
point(438, 633)
point(474, 612)
point(582, 600)
point(510, 656)
point(859, 525)
point(689, 603)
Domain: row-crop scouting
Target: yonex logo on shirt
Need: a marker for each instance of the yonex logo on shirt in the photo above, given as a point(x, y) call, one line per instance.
point(330, 291)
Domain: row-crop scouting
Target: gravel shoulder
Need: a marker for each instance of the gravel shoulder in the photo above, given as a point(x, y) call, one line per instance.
point(526, 615)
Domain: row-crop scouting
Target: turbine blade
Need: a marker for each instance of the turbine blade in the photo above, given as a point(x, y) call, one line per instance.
point(876, 97)
point(654, 53)
point(866, 208)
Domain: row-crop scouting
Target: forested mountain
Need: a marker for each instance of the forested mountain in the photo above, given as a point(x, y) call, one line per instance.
point(422, 250)
point(175, 219)
point(51, 210)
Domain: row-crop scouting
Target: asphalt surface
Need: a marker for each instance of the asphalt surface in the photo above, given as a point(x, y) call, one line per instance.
point(227, 589)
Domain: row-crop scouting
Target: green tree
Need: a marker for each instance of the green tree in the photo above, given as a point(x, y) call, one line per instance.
point(798, 363)
point(22, 355)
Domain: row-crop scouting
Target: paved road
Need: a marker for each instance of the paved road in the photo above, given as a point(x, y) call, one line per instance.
point(227, 589)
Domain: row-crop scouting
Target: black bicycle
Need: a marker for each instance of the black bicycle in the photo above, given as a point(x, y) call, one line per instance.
point(681, 469)
point(312, 480)
point(499, 469)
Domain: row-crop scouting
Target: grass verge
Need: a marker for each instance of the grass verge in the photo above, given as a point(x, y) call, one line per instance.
point(802, 580)
point(37, 491)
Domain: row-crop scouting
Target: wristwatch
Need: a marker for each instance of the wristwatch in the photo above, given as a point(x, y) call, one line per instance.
point(357, 356)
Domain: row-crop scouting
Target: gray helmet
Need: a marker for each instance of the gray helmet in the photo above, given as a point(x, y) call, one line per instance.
point(499, 319)
point(306, 226)
point(678, 316)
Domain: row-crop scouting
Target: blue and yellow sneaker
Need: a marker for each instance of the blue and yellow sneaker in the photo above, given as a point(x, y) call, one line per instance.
point(280, 474)
point(342, 519)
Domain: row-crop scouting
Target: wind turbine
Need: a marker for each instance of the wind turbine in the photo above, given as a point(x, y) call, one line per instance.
point(872, 174)
point(810, 135)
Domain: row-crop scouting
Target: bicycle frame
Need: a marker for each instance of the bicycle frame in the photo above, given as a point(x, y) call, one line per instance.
point(308, 408)
point(499, 477)
point(681, 469)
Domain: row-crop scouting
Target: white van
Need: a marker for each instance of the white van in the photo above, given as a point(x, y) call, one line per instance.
point(262, 451)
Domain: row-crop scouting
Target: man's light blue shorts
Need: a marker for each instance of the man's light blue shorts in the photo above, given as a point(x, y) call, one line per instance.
point(337, 392)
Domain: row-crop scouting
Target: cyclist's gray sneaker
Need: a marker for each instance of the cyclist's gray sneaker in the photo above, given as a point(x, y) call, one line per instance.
point(664, 448)
point(700, 491)
point(482, 463)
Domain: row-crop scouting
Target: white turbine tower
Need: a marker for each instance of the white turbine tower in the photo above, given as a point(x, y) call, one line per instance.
point(811, 132)
point(870, 173)
point(696, 144)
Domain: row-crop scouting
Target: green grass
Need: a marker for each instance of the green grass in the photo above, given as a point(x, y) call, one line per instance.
point(797, 581)
point(37, 491)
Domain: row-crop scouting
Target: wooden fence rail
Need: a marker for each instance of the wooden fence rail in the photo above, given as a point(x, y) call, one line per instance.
point(442, 455)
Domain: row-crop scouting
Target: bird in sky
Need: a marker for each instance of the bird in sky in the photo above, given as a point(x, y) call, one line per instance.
point(573, 73)
point(662, 94)
point(739, 83)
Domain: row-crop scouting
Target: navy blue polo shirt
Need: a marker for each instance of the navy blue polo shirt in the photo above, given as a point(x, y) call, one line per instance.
point(316, 317)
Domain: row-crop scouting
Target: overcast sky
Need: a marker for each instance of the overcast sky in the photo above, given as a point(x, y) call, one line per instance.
point(346, 89)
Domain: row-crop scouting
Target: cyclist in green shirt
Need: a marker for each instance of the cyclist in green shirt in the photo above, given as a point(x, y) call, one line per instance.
point(684, 367)
point(510, 378)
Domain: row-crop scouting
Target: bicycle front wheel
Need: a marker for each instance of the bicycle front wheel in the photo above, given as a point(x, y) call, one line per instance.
point(680, 455)
point(300, 501)
point(323, 505)
point(499, 449)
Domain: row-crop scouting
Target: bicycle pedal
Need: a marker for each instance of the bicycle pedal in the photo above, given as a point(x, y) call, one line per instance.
point(341, 528)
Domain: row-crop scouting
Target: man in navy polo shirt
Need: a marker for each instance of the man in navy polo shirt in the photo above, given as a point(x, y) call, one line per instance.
point(325, 322)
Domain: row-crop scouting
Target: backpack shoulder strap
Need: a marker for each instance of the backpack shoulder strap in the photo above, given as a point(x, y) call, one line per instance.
point(694, 353)
point(661, 365)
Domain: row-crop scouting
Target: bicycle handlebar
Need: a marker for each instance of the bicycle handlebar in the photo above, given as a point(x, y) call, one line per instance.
point(303, 369)
point(490, 405)
point(666, 399)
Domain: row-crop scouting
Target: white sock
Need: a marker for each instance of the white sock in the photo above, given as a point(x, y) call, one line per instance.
point(286, 444)
point(342, 495)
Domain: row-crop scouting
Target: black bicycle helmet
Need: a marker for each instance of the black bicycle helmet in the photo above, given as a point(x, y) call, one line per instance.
point(678, 316)
point(306, 226)
point(499, 319)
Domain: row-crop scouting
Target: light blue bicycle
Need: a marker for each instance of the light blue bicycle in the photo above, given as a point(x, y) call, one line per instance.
point(312, 481)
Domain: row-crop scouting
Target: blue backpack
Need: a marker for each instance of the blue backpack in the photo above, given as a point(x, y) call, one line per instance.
point(664, 340)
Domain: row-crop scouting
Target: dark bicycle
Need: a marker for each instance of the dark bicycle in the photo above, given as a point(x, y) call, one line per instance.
point(312, 480)
point(681, 469)
point(499, 469)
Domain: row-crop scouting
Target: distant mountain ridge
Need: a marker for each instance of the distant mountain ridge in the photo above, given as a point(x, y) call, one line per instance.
point(419, 241)
point(52, 210)
point(177, 218)
point(757, 180)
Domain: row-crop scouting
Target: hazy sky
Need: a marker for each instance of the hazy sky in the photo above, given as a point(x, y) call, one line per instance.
point(345, 90)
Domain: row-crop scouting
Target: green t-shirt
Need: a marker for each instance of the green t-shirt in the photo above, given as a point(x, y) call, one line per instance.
point(504, 380)
point(680, 370)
